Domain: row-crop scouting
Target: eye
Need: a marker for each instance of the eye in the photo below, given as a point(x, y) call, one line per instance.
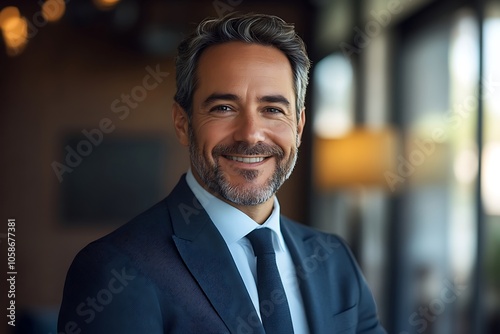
point(221, 108)
point(273, 110)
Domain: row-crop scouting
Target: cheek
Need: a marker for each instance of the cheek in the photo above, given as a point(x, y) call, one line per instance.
point(285, 135)
point(207, 138)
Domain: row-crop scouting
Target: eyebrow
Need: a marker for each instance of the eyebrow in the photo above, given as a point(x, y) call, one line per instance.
point(232, 97)
point(218, 96)
point(275, 99)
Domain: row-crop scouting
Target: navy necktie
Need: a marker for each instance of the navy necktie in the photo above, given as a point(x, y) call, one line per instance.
point(274, 310)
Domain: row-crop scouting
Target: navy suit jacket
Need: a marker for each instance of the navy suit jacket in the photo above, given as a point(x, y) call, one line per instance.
point(170, 271)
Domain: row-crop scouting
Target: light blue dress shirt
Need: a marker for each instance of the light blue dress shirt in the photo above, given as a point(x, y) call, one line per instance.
point(234, 225)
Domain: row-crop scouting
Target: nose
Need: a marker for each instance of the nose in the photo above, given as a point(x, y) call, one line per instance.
point(250, 128)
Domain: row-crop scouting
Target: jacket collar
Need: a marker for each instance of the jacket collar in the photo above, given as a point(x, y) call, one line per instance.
point(206, 255)
point(308, 250)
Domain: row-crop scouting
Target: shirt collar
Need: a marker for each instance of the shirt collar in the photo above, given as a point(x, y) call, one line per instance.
point(232, 223)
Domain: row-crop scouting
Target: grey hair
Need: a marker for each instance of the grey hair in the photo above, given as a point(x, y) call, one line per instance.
point(249, 28)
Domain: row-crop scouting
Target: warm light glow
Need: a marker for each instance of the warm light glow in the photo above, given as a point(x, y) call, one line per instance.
point(7, 13)
point(491, 178)
point(53, 10)
point(361, 157)
point(106, 4)
point(14, 30)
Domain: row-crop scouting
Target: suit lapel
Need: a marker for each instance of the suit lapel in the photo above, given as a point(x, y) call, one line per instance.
point(207, 257)
point(311, 275)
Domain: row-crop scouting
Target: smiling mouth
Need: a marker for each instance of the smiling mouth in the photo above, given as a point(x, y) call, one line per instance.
point(246, 160)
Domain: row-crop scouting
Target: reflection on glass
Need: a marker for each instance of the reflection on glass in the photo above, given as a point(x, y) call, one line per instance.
point(491, 167)
point(333, 97)
point(491, 178)
point(491, 154)
point(464, 75)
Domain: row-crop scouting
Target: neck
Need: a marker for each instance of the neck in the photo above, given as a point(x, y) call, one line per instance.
point(259, 213)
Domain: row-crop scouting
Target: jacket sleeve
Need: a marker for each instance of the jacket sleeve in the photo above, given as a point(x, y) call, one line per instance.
point(105, 294)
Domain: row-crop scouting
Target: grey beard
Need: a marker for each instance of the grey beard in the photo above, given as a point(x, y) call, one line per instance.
point(213, 177)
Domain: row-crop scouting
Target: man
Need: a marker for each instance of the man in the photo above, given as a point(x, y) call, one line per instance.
point(215, 256)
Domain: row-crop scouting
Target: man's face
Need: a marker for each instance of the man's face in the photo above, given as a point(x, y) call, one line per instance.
point(244, 133)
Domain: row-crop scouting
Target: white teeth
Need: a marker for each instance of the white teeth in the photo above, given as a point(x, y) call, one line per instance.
point(246, 160)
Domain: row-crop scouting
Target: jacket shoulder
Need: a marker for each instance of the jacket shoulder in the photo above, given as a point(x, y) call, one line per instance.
point(305, 231)
point(128, 261)
point(148, 227)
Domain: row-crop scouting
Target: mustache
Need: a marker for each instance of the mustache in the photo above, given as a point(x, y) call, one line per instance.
point(242, 148)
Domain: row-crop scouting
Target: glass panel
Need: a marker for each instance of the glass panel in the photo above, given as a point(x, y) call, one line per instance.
point(349, 162)
point(439, 105)
point(491, 166)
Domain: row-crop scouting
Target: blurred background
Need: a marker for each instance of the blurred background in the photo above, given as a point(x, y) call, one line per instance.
point(401, 155)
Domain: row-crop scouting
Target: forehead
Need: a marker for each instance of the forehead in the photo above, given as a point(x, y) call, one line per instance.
point(239, 63)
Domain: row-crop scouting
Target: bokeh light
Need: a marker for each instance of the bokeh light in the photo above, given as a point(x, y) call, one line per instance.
point(53, 10)
point(14, 30)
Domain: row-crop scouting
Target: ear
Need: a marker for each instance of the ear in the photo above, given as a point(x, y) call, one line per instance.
point(181, 124)
point(300, 125)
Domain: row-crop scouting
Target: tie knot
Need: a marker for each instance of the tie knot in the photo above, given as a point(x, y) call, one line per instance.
point(262, 241)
